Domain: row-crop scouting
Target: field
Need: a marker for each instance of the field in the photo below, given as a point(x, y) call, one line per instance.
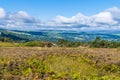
point(36, 63)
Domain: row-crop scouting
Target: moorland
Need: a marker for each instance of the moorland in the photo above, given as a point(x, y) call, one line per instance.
point(59, 63)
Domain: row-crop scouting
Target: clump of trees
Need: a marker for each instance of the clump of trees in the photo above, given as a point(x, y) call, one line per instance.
point(96, 43)
point(5, 39)
point(101, 43)
point(67, 43)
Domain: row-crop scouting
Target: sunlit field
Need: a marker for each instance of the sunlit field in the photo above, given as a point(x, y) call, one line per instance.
point(36, 63)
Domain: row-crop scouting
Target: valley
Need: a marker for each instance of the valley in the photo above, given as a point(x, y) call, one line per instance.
point(54, 35)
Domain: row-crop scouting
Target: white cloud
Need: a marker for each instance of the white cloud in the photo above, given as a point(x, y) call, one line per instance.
point(20, 16)
point(108, 19)
point(77, 19)
point(105, 18)
point(115, 12)
point(19, 20)
point(2, 13)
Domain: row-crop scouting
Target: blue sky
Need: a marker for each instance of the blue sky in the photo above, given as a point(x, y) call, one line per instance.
point(60, 14)
point(49, 9)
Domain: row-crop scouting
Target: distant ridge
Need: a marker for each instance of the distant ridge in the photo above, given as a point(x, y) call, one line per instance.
point(54, 35)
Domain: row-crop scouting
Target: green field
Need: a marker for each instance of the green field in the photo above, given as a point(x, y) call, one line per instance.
point(36, 63)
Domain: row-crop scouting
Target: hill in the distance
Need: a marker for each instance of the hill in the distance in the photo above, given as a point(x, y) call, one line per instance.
point(54, 35)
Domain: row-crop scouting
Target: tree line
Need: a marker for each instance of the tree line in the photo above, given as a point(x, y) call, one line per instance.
point(96, 43)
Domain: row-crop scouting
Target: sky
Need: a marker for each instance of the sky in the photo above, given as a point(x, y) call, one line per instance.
point(60, 14)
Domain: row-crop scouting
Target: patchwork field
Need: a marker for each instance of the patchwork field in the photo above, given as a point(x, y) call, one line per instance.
point(36, 63)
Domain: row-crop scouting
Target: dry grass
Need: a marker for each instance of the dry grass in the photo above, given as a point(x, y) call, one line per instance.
point(62, 63)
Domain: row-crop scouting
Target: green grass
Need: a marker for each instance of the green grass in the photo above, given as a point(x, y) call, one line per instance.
point(26, 44)
point(70, 66)
point(7, 44)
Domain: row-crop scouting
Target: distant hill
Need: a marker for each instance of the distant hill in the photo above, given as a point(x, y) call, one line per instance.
point(54, 35)
point(12, 35)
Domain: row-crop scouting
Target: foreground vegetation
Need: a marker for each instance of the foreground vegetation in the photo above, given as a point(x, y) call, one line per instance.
point(63, 60)
point(35, 63)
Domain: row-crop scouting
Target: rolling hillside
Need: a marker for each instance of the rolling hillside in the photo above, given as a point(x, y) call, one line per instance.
point(54, 35)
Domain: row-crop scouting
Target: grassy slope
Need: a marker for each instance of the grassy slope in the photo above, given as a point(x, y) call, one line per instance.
point(59, 63)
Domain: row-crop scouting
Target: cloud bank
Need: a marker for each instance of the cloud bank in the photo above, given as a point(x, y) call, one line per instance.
point(21, 20)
